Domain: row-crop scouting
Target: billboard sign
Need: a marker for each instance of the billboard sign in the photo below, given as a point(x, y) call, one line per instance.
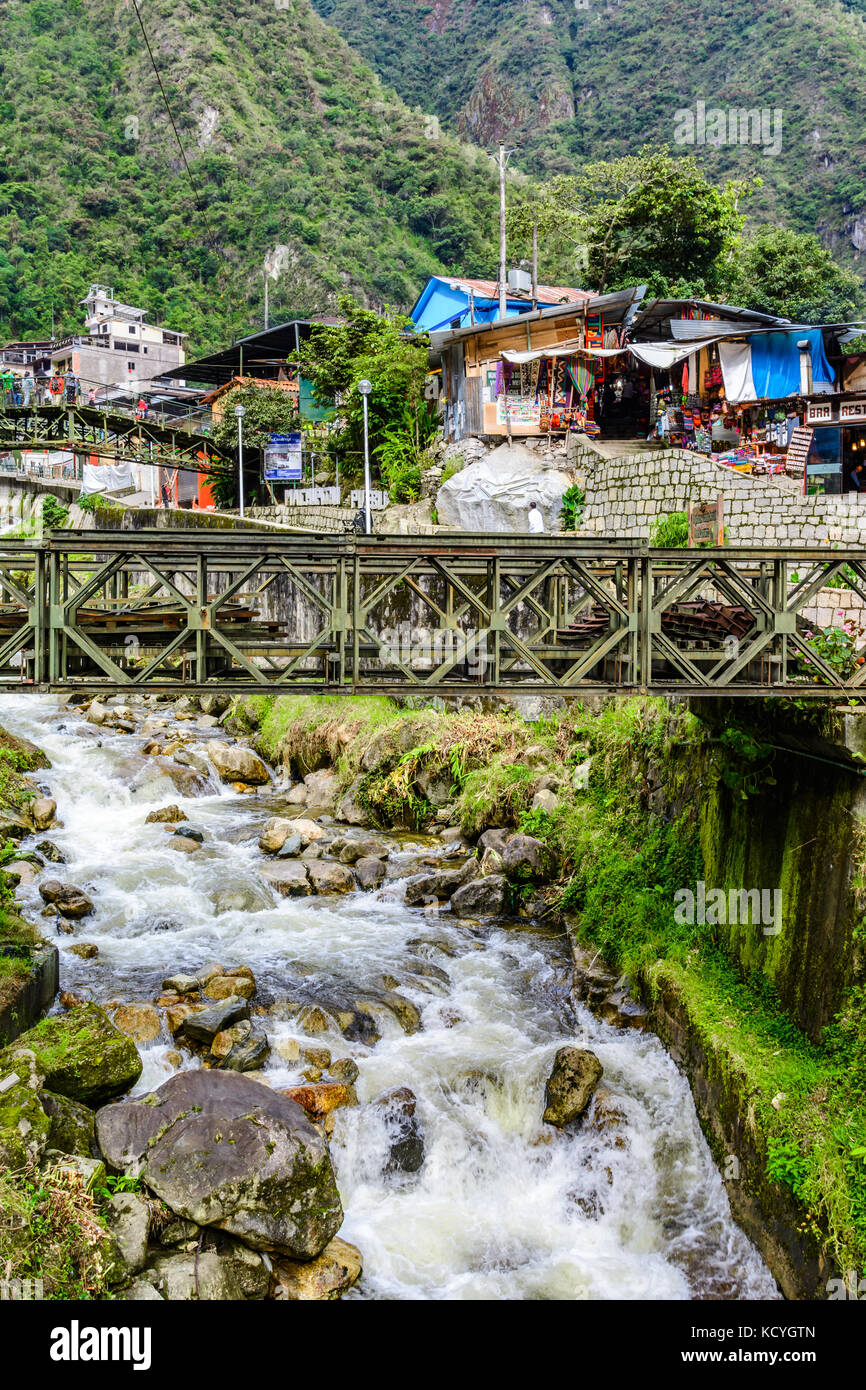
point(283, 459)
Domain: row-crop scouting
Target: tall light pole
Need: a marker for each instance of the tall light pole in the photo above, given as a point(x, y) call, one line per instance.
point(365, 387)
point(240, 413)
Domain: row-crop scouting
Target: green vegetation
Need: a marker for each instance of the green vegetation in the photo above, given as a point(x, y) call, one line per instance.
point(783, 272)
point(292, 143)
point(375, 347)
point(55, 514)
point(671, 531)
point(573, 503)
point(268, 410)
point(52, 1228)
point(565, 87)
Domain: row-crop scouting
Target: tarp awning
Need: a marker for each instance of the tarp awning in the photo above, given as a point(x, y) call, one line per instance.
point(563, 350)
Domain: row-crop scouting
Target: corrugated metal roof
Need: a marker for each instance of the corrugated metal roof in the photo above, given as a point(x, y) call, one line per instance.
point(551, 294)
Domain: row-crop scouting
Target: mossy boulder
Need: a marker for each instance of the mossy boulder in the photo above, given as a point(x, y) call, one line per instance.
point(71, 1125)
point(23, 1123)
point(82, 1055)
point(227, 1152)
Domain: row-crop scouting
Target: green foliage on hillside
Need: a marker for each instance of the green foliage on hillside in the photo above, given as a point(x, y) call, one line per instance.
point(565, 85)
point(784, 272)
point(292, 142)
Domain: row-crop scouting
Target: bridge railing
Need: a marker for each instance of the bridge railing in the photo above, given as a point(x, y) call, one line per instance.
point(447, 614)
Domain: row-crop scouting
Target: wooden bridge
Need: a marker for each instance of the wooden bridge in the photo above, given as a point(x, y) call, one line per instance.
point(451, 614)
point(105, 434)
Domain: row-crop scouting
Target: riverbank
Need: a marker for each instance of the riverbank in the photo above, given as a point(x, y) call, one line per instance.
point(638, 801)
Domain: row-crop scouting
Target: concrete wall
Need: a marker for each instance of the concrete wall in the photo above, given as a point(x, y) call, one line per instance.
point(626, 494)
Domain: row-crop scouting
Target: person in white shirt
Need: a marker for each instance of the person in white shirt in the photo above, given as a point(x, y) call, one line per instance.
point(536, 520)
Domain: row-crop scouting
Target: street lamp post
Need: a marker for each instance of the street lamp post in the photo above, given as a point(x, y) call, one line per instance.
point(240, 413)
point(365, 387)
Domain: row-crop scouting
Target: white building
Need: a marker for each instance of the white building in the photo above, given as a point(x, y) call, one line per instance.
point(121, 350)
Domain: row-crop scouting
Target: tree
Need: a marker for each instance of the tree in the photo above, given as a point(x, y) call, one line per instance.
point(792, 274)
point(377, 347)
point(268, 410)
point(649, 218)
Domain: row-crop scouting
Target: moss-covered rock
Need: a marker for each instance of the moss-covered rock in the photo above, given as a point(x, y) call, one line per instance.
point(82, 1055)
point(23, 1123)
point(71, 1125)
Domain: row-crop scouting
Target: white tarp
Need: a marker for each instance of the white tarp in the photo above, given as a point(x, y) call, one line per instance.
point(666, 355)
point(736, 360)
point(106, 477)
point(564, 350)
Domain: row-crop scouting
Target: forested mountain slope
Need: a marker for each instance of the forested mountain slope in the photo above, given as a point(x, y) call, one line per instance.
point(567, 80)
point(294, 148)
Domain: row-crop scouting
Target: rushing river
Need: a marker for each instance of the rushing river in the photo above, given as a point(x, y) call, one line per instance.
point(503, 1206)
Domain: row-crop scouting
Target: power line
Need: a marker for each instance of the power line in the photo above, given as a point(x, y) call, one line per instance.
point(214, 245)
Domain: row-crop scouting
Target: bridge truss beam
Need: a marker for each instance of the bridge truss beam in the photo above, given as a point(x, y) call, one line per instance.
point(175, 611)
point(88, 430)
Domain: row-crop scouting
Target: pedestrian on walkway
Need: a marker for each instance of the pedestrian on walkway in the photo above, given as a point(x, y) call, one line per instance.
point(536, 520)
point(28, 386)
point(7, 381)
point(91, 396)
point(72, 389)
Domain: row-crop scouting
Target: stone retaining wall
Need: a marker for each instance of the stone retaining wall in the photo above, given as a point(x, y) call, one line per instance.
point(625, 495)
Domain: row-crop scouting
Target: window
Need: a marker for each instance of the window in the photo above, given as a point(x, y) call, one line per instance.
point(131, 328)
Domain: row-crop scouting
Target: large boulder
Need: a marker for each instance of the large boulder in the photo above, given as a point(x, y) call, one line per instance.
point(494, 494)
point(69, 900)
point(350, 809)
point(236, 764)
point(71, 1125)
point(128, 1218)
point(227, 1152)
point(484, 897)
point(82, 1055)
point(570, 1086)
point(328, 877)
point(527, 860)
point(441, 883)
point(203, 1025)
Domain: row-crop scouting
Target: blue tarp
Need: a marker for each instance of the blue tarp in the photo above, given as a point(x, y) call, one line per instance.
point(776, 362)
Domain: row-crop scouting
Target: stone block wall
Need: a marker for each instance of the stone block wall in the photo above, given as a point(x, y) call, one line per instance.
point(625, 495)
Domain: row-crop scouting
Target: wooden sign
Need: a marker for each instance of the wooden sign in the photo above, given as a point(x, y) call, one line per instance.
point(707, 523)
point(798, 450)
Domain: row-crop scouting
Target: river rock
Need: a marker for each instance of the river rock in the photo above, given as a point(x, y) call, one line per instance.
point(128, 1219)
point(225, 1151)
point(69, 900)
point(203, 1025)
point(545, 800)
point(323, 788)
point(527, 860)
point(317, 1057)
point(485, 897)
point(184, 844)
point(228, 986)
point(327, 877)
point(139, 1021)
point(225, 1041)
point(322, 1097)
point(345, 1069)
point(405, 1134)
point(13, 825)
point(165, 815)
point(570, 1086)
point(439, 885)
point(350, 809)
point(161, 776)
point(210, 1276)
point(71, 1125)
point(49, 851)
point(176, 1013)
point(182, 984)
point(350, 851)
point(215, 704)
point(289, 879)
point(337, 1268)
point(297, 795)
point(276, 832)
point(248, 1054)
point(83, 1055)
point(236, 764)
point(436, 785)
point(369, 872)
point(85, 950)
point(44, 812)
point(20, 871)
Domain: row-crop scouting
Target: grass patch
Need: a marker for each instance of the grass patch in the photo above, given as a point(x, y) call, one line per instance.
point(51, 1229)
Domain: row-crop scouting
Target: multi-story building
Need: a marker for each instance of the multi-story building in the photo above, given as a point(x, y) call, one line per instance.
point(121, 351)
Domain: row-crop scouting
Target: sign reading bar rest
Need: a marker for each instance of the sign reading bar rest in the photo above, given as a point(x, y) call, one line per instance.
point(283, 459)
